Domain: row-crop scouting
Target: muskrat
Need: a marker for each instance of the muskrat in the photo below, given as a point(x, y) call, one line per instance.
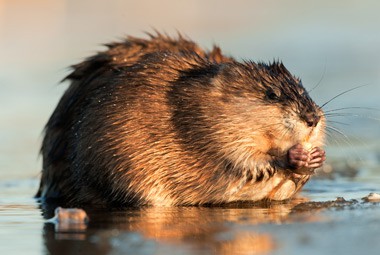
point(160, 121)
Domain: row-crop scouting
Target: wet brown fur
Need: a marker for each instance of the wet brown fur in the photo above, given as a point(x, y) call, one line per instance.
point(160, 121)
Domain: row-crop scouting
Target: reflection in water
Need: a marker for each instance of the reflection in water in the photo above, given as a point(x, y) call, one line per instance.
point(69, 223)
point(247, 243)
point(162, 230)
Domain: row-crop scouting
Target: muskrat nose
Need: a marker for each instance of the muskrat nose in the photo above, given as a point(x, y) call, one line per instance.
point(311, 119)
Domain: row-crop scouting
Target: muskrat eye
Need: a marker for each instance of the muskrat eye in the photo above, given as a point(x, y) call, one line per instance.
point(271, 95)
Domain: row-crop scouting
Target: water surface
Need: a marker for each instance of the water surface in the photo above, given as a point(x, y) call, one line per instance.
point(299, 226)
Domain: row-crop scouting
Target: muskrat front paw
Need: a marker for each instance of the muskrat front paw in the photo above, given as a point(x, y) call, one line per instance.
point(317, 157)
point(303, 161)
point(297, 157)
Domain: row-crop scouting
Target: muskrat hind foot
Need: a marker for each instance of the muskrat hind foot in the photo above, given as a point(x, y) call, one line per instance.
point(302, 161)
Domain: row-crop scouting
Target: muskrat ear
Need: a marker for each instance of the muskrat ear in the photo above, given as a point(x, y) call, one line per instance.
point(272, 95)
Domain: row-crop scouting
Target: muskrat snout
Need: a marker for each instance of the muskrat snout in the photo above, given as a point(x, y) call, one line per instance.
point(311, 119)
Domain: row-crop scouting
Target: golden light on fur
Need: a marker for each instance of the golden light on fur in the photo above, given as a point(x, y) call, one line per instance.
point(159, 121)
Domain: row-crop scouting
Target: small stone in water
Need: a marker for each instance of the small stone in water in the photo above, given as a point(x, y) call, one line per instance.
point(69, 219)
point(340, 199)
point(372, 197)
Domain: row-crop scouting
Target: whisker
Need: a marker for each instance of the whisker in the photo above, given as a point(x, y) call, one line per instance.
point(331, 136)
point(320, 80)
point(354, 107)
point(345, 139)
point(338, 122)
point(340, 94)
point(337, 131)
point(349, 114)
point(342, 114)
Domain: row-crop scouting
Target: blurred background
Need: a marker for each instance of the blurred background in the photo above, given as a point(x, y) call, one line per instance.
point(332, 44)
point(335, 44)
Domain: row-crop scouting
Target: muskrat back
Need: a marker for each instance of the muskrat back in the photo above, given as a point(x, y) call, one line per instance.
point(159, 121)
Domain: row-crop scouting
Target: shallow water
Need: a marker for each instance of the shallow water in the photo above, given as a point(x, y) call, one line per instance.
point(300, 226)
point(331, 43)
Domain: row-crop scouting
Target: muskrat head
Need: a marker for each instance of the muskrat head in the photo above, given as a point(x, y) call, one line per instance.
point(259, 111)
